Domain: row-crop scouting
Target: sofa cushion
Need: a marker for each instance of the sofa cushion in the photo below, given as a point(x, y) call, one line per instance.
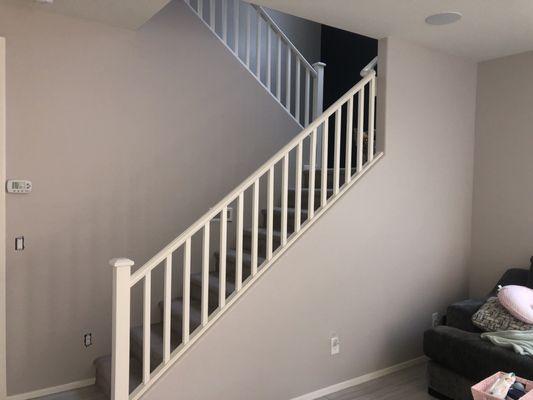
point(518, 300)
point(468, 355)
point(493, 317)
point(459, 315)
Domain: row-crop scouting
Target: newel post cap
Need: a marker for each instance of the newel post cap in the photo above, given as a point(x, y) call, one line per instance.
point(319, 64)
point(121, 262)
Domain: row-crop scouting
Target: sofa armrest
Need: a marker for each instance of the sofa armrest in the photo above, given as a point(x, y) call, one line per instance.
point(459, 315)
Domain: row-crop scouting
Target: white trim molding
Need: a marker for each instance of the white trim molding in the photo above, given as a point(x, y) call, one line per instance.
point(360, 379)
point(53, 390)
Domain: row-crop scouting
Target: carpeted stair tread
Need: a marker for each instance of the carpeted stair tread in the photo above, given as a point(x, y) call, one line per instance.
point(156, 343)
point(176, 314)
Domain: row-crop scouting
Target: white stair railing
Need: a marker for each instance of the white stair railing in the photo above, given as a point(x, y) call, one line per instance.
point(267, 53)
point(351, 110)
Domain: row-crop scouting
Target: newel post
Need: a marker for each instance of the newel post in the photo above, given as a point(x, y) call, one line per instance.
point(318, 103)
point(120, 359)
point(318, 90)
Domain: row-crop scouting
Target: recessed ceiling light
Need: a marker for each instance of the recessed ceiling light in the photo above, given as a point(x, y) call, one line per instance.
point(444, 18)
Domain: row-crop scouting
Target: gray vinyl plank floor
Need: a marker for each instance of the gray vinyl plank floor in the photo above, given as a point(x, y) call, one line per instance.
point(409, 384)
point(88, 393)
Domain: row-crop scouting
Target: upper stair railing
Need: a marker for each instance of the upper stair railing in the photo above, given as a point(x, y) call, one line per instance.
point(267, 53)
point(354, 111)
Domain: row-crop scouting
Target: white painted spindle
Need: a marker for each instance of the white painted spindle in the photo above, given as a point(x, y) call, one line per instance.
point(205, 272)
point(318, 89)
point(167, 308)
point(311, 172)
point(349, 135)
point(360, 128)
point(298, 199)
point(337, 151)
point(225, 21)
point(270, 213)
point(186, 292)
point(258, 47)
point(269, 57)
point(212, 14)
point(240, 227)
point(201, 9)
point(371, 118)
point(147, 308)
point(255, 225)
point(288, 81)
point(284, 198)
point(297, 93)
point(307, 104)
point(120, 359)
point(222, 261)
point(324, 177)
point(236, 26)
point(278, 72)
point(248, 34)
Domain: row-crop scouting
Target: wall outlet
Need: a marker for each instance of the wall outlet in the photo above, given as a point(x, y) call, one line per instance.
point(335, 345)
point(435, 319)
point(88, 339)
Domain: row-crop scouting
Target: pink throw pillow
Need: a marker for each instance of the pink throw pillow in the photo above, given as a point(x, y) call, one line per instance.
point(518, 300)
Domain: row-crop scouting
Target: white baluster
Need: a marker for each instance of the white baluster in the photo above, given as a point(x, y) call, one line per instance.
point(371, 118)
point(147, 307)
point(120, 359)
point(258, 48)
point(236, 25)
point(307, 96)
point(212, 14)
point(248, 34)
point(186, 291)
point(337, 151)
point(167, 309)
point(270, 213)
point(288, 81)
point(201, 9)
point(225, 21)
point(311, 172)
point(269, 57)
point(222, 263)
point(278, 71)
point(349, 134)
point(360, 128)
point(240, 223)
point(318, 99)
point(324, 177)
point(297, 93)
point(298, 199)
point(284, 198)
point(205, 273)
point(255, 225)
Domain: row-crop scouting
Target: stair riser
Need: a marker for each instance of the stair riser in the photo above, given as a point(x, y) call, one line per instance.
point(290, 220)
point(196, 293)
point(305, 198)
point(261, 243)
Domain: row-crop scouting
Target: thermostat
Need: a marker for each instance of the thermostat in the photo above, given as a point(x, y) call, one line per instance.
point(18, 186)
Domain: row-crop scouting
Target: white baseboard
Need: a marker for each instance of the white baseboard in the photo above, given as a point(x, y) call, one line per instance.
point(52, 390)
point(359, 380)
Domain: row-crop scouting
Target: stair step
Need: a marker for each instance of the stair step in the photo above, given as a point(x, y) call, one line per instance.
point(318, 177)
point(156, 343)
point(291, 212)
point(196, 288)
point(176, 314)
point(261, 240)
point(305, 197)
point(103, 374)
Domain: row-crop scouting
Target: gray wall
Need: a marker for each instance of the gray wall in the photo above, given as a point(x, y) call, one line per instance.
point(373, 269)
point(502, 231)
point(128, 137)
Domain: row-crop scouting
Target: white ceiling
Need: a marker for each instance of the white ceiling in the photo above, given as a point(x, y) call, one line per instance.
point(129, 14)
point(489, 28)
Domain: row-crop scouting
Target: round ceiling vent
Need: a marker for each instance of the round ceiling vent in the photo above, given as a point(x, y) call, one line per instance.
point(444, 18)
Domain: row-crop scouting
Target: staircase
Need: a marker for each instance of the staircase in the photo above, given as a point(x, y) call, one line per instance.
point(205, 270)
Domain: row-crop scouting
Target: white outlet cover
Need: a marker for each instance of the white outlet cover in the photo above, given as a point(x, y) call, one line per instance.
point(335, 345)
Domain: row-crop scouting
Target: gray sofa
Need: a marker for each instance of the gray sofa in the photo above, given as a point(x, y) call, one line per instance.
point(458, 356)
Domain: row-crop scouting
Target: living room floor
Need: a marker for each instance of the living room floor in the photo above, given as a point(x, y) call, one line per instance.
point(409, 383)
